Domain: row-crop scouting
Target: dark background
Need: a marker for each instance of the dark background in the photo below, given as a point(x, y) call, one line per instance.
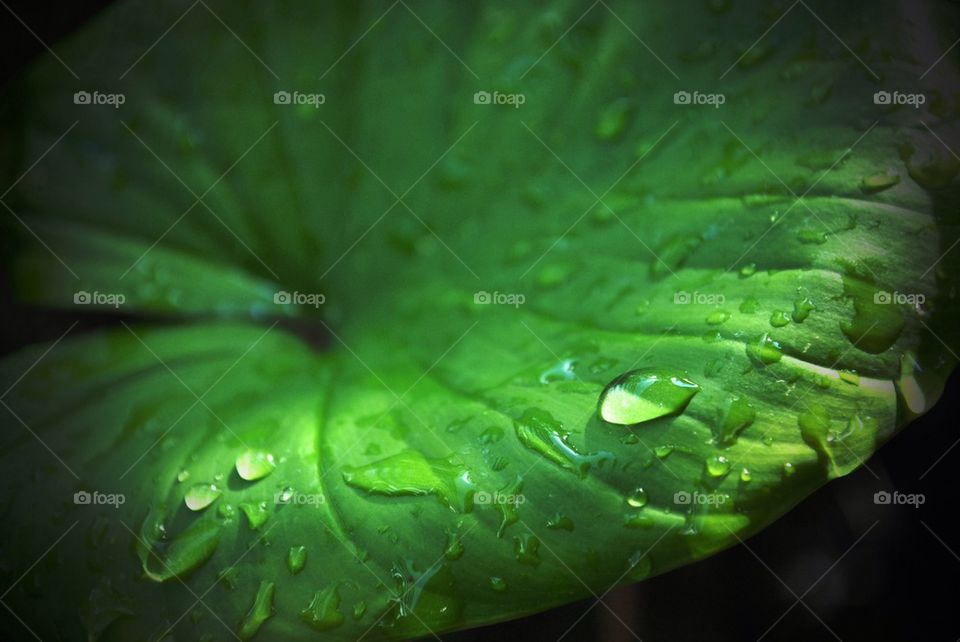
point(896, 583)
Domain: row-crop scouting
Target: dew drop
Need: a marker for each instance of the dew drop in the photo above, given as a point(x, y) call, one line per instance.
point(296, 558)
point(638, 498)
point(199, 496)
point(764, 351)
point(717, 465)
point(802, 309)
point(255, 464)
point(642, 395)
point(779, 318)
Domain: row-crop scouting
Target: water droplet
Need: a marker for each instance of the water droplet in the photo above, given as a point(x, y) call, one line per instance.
point(563, 371)
point(199, 496)
point(323, 612)
point(764, 351)
point(802, 309)
point(525, 549)
point(540, 432)
point(779, 318)
point(789, 470)
point(285, 495)
point(638, 498)
point(878, 182)
point(553, 275)
point(745, 475)
point(663, 451)
point(749, 305)
point(508, 509)
point(185, 553)
point(809, 236)
point(849, 376)
point(717, 465)
point(226, 510)
point(260, 611)
point(183, 475)
point(642, 395)
point(359, 609)
point(255, 464)
point(296, 558)
point(748, 270)
point(491, 435)
point(738, 415)
point(498, 584)
point(256, 514)
point(559, 521)
point(410, 473)
point(718, 317)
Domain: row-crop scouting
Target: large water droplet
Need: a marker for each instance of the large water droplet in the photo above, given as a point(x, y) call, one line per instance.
point(260, 611)
point(255, 464)
point(540, 432)
point(641, 395)
point(199, 496)
point(323, 612)
point(410, 473)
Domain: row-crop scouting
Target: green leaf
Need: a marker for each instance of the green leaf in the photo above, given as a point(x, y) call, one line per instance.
point(421, 445)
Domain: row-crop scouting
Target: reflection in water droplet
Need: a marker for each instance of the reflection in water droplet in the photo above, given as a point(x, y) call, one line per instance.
point(641, 395)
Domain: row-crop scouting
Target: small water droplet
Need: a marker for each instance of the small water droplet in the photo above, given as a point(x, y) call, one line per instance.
point(745, 475)
point(718, 317)
point(199, 496)
point(525, 549)
point(559, 521)
point(663, 451)
point(748, 270)
point(563, 371)
point(256, 514)
point(454, 548)
point(764, 351)
point(642, 395)
point(749, 305)
point(789, 470)
point(296, 558)
point(802, 309)
point(255, 464)
point(717, 465)
point(779, 318)
point(738, 415)
point(498, 584)
point(638, 498)
point(491, 435)
point(183, 475)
